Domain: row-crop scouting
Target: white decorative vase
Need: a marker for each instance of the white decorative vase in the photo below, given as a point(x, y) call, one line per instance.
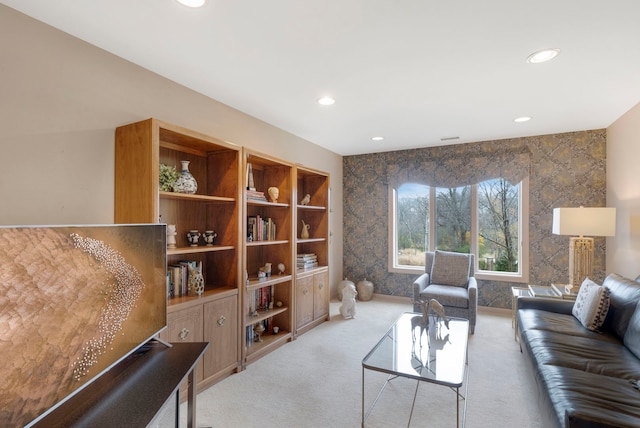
point(365, 290)
point(186, 183)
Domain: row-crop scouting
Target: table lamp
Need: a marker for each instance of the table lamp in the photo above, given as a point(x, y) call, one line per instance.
point(583, 221)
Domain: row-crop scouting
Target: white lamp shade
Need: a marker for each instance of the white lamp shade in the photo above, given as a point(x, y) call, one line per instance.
point(584, 221)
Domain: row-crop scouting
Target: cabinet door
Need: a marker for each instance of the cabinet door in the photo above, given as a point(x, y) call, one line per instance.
point(221, 331)
point(320, 294)
point(184, 326)
point(304, 300)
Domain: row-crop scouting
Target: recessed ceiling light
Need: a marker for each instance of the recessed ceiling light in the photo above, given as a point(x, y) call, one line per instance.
point(452, 138)
point(192, 3)
point(522, 119)
point(377, 138)
point(326, 101)
point(543, 56)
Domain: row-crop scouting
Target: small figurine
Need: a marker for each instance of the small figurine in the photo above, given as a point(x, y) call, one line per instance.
point(266, 269)
point(274, 192)
point(304, 234)
point(281, 268)
point(306, 199)
point(348, 307)
point(171, 236)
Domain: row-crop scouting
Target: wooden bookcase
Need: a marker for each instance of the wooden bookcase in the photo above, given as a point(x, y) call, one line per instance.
point(312, 284)
point(268, 300)
point(236, 299)
point(213, 317)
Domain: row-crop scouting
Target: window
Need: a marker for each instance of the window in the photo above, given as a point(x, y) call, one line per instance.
point(488, 219)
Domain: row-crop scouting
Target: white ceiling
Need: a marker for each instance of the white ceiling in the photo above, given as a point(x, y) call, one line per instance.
point(413, 71)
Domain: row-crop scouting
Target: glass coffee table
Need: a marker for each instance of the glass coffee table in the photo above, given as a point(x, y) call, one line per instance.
point(437, 355)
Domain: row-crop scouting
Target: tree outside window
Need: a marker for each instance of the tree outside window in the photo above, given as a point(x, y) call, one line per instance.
point(496, 237)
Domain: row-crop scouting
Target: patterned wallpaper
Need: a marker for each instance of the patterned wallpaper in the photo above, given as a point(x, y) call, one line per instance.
point(567, 170)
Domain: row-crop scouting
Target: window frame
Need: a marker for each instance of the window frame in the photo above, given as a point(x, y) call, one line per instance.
point(523, 236)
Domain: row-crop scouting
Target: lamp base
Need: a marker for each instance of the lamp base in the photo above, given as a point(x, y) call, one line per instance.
point(580, 259)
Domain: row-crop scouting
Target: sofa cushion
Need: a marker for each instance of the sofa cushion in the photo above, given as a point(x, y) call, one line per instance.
point(450, 269)
point(566, 324)
point(592, 304)
point(624, 295)
point(607, 358)
point(632, 335)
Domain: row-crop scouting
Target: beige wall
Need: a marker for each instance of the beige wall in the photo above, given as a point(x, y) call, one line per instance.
point(623, 192)
point(60, 101)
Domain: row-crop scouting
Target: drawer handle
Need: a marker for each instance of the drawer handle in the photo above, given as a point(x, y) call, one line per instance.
point(305, 291)
point(221, 320)
point(321, 286)
point(183, 333)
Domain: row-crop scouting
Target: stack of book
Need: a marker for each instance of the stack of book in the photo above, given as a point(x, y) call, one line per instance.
point(254, 195)
point(306, 261)
point(260, 229)
point(179, 278)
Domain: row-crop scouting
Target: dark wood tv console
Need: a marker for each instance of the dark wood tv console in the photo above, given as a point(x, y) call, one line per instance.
point(133, 392)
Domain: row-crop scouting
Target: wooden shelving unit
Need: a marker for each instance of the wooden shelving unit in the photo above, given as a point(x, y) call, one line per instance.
point(235, 299)
point(312, 284)
point(216, 165)
point(268, 300)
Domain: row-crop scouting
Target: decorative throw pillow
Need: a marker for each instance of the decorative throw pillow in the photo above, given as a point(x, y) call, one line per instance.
point(450, 268)
point(592, 304)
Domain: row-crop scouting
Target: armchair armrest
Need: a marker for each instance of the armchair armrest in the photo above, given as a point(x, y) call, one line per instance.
point(473, 301)
point(419, 285)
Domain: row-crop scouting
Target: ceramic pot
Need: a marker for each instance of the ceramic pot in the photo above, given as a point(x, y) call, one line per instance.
point(186, 183)
point(365, 290)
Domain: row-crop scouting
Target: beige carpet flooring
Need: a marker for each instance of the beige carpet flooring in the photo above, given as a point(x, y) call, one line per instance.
point(316, 380)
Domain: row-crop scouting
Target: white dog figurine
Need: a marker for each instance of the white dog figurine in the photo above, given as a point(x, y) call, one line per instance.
point(348, 307)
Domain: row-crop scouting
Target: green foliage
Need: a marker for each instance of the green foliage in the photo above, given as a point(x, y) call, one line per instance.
point(168, 177)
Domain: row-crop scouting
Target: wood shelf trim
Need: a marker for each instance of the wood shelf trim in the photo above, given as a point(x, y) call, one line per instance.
point(200, 249)
point(255, 283)
point(273, 242)
point(183, 302)
point(303, 241)
point(305, 272)
point(312, 207)
point(263, 315)
point(266, 203)
point(196, 197)
point(258, 349)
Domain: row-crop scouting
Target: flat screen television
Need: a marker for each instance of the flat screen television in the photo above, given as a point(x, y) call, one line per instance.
point(74, 301)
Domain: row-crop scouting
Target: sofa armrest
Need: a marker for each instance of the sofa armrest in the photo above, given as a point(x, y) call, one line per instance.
point(559, 306)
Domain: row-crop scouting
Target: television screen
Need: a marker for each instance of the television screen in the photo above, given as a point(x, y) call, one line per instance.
point(74, 300)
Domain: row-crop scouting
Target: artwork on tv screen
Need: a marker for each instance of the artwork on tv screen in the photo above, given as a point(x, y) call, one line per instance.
point(74, 301)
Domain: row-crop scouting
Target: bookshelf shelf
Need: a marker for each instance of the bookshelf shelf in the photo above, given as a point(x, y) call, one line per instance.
point(272, 280)
point(199, 249)
point(263, 315)
point(203, 198)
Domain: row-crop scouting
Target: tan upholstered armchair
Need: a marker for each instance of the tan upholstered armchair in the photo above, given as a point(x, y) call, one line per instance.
point(449, 279)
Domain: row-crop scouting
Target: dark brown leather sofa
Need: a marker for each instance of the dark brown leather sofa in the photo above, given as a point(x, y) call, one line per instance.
point(585, 378)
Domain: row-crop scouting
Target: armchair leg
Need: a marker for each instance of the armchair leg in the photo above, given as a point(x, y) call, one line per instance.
point(472, 329)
